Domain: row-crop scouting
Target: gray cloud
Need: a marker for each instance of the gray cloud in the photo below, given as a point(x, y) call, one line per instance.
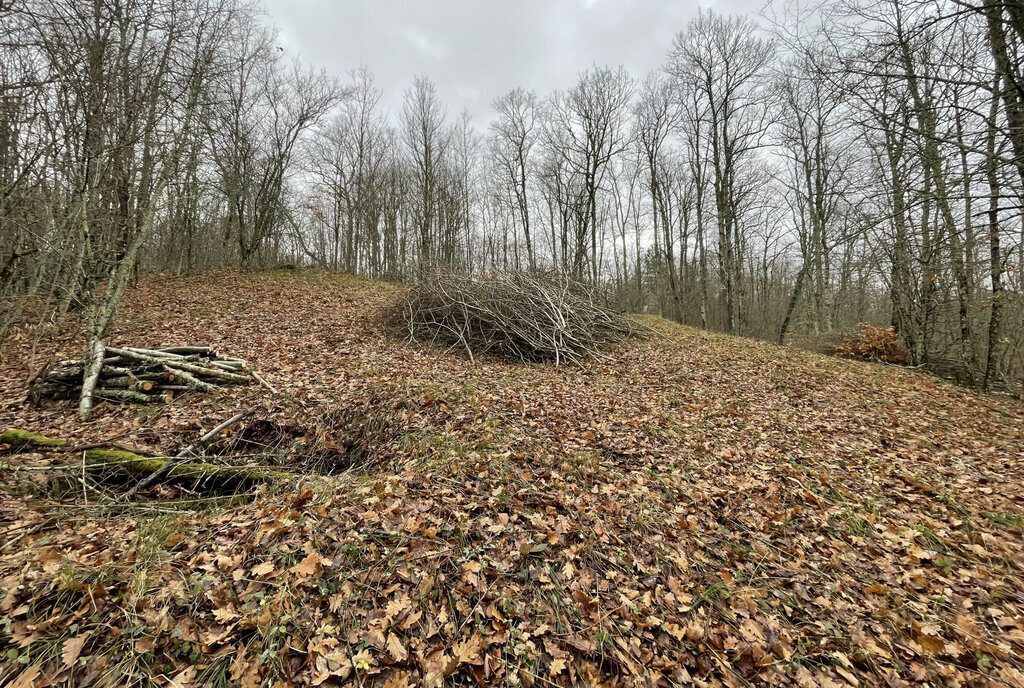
point(476, 50)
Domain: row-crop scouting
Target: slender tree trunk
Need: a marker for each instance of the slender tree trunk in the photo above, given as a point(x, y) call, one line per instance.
point(794, 298)
point(995, 252)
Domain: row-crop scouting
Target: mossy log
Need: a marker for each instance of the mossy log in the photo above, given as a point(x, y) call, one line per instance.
point(132, 464)
point(22, 438)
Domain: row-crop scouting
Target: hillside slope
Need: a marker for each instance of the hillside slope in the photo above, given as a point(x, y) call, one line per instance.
point(700, 510)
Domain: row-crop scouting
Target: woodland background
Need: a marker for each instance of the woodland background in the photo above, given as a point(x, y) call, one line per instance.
point(782, 177)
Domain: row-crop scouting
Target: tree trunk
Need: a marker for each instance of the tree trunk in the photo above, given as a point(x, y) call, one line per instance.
point(91, 374)
point(995, 252)
point(793, 300)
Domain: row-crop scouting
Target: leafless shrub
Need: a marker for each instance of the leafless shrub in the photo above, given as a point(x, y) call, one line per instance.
point(529, 316)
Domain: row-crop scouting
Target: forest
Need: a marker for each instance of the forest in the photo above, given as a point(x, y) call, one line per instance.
point(708, 376)
point(784, 176)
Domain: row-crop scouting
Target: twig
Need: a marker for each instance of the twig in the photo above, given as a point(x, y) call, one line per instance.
point(256, 376)
point(85, 492)
point(183, 454)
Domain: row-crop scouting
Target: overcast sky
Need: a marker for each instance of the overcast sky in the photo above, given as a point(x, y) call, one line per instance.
point(476, 50)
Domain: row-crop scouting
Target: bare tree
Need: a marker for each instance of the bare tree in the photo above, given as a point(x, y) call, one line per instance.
point(425, 135)
point(124, 85)
point(777, 183)
point(266, 106)
point(724, 62)
point(346, 159)
point(656, 118)
point(591, 127)
point(513, 135)
point(810, 133)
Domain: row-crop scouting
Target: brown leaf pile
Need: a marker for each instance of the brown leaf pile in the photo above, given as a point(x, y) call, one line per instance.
point(874, 344)
point(701, 511)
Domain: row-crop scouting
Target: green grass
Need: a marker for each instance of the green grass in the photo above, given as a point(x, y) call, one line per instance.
point(1014, 522)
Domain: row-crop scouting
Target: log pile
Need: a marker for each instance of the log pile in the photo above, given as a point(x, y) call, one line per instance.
point(132, 374)
point(529, 316)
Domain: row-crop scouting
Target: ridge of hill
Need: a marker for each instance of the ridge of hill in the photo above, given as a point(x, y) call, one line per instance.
point(701, 509)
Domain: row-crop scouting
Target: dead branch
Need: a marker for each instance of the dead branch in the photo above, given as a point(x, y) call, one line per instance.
point(184, 454)
point(529, 316)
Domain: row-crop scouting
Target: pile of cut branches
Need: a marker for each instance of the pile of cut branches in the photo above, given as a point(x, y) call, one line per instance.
point(530, 316)
point(132, 374)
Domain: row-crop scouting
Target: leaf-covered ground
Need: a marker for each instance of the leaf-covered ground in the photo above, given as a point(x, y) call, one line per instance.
point(701, 510)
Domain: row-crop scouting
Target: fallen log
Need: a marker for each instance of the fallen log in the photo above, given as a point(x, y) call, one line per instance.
point(17, 439)
point(192, 381)
point(150, 352)
point(123, 381)
point(181, 365)
point(123, 395)
point(187, 350)
point(183, 455)
point(99, 459)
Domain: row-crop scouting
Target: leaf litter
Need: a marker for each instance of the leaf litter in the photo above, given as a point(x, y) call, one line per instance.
point(701, 510)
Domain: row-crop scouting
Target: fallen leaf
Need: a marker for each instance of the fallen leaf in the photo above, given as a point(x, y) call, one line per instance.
point(396, 649)
point(263, 569)
point(309, 566)
point(468, 652)
point(27, 678)
point(72, 648)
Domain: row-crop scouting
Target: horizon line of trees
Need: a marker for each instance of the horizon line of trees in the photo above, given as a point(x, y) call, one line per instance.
point(787, 179)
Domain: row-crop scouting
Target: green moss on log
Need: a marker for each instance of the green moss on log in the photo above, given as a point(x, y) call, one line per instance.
point(125, 460)
point(23, 438)
point(186, 470)
point(131, 463)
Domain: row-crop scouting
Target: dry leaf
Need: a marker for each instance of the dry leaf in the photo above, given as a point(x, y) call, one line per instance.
point(468, 652)
point(225, 614)
point(396, 649)
point(263, 569)
point(931, 644)
point(399, 679)
point(307, 567)
point(72, 648)
point(184, 678)
point(27, 678)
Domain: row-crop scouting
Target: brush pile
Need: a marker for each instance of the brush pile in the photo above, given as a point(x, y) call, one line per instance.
point(874, 344)
point(530, 316)
point(143, 376)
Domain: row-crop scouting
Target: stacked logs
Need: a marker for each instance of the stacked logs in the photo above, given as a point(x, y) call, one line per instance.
point(132, 374)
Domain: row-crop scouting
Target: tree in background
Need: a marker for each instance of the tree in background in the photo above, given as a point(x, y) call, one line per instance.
point(860, 162)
